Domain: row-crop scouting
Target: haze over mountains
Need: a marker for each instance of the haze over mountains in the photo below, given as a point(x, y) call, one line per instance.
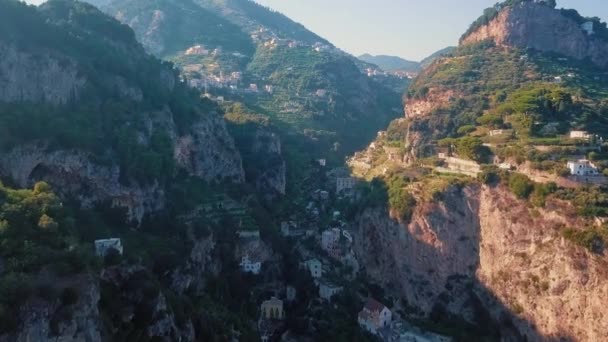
point(210, 170)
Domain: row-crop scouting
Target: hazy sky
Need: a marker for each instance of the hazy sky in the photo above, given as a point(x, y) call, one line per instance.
point(411, 29)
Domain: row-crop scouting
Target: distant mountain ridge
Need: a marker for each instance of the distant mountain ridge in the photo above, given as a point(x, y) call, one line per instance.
point(391, 63)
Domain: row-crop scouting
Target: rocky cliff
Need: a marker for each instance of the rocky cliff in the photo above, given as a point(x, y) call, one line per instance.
point(87, 81)
point(537, 26)
point(512, 256)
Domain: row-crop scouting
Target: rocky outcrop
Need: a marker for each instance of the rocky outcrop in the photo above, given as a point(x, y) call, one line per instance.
point(272, 178)
point(542, 28)
point(25, 77)
point(511, 255)
point(208, 151)
point(52, 321)
point(73, 173)
point(141, 301)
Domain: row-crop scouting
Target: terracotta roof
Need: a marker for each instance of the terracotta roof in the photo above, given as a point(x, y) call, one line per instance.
point(373, 305)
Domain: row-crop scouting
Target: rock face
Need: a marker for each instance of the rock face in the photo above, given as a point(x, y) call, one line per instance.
point(32, 78)
point(512, 256)
point(272, 179)
point(73, 173)
point(542, 28)
point(46, 321)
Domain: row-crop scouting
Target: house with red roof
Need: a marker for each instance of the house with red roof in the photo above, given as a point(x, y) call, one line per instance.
point(374, 316)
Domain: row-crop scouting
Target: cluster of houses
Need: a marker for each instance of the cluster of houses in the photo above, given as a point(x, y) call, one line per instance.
point(375, 72)
point(337, 243)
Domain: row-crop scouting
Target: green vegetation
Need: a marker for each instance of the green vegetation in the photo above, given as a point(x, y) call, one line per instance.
point(399, 199)
point(103, 121)
point(183, 26)
point(594, 239)
point(36, 234)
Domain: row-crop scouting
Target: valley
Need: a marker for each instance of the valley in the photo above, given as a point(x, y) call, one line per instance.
point(210, 170)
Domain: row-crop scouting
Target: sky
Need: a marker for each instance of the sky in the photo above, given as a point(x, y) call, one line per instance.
point(411, 29)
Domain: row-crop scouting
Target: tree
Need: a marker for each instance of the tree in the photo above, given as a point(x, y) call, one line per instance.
point(520, 185)
point(47, 223)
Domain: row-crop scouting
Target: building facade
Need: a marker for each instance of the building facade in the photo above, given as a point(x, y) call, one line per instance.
point(250, 266)
point(272, 309)
point(103, 247)
point(374, 316)
point(582, 167)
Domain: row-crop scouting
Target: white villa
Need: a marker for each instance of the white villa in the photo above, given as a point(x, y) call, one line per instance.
point(580, 135)
point(345, 183)
point(582, 167)
point(374, 316)
point(272, 309)
point(328, 290)
point(102, 247)
point(250, 266)
point(315, 267)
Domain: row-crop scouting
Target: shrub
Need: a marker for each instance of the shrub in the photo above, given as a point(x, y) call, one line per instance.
point(520, 185)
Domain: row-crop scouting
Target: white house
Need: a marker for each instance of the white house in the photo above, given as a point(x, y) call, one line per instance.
point(250, 266)
point(315, 268)
point(345, 183)
point(328, 290)
point(582, 167)
point(272, 309)
point(329, 238)
point(102, 247)
point(197, 50)
point(580, 135)
point(322, 162)
point(496, 132)
point(588, 27)
point(374, 316)
point(321, 92)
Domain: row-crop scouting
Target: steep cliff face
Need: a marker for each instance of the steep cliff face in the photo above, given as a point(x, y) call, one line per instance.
point(542, 28)
point(87, 75)
point(45, 321)
point(272, 179)
point(27, 77)
point(512, 256)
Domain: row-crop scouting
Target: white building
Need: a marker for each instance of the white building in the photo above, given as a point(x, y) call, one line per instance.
point(269, 88)
point(345, 183)
point(588, 27)
point(580, 135)
point(374, 316)
point(250, 266)
point(102, 247)
point(248, 234)
point(322, 162)
point(582, 167)
point(321, 92)
point(197, 50)
point(328, 290)
point(329, 238)
point(315, 268)
point(253, 87)
point(496, 132)
point(272, 309)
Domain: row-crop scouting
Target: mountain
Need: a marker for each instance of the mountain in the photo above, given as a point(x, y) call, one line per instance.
point(99, 139)
point(471, 194)
point(81, 90)
point(391, 63)
point(317, 98)
point(430, 59)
